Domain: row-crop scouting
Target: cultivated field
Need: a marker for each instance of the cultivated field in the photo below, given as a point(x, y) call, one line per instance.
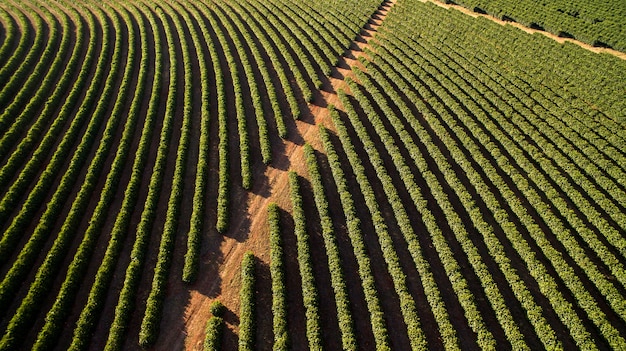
point(339, 175)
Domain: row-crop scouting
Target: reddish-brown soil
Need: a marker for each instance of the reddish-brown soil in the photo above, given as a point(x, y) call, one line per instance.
point(526, 29)
point(270, 185)
point(186, 307)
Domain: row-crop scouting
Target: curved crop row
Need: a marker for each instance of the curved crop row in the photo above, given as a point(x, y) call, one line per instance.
point(50, 266)
point(89, 103)
point(285, 40)
point(154, 304)
point(497, 251)
point(125, 304)
point(256, 102)
point(240, 113)
point(49, 333)
point(10, 35)
point(309, 289)
point(12, 96)
point(270, 89)
point(348, 338)
point(45, 181)
point(223, 190)
point(32, 248)
point(40, 129)
point(46, 85)
point(353, 223)
point(559, 229)
point(313, 66)
point(277, 271)
point(90, 312)
point(269, 39)
point(247, 325)
point(196, 222)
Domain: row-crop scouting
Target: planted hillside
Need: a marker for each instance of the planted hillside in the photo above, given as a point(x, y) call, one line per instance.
point(126, 131)
point(513, 169)
point(596, 22)
point(356, 175)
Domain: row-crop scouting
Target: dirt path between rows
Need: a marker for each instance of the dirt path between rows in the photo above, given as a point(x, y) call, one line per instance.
point(526, 29)
point(273, 181)
point(271, 185)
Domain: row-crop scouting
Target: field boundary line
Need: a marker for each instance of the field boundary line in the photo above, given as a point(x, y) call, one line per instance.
point(465, 10)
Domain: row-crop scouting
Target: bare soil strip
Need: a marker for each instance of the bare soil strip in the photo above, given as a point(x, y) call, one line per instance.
point(526, 29)
point(270, 186)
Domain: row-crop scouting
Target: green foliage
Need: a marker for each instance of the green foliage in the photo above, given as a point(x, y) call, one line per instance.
point(581, 83)
point(255, 96)
point(77, 268)
point(344, 315)
point(507, 146)
point(240, 113)
point(125, 304)
point(23, 46)
point(497, 301)
point(281, 22)
point(429, 285)
point(252, 18)
point(247, 326)
point(46, 272)
point(215, 327)
point(48, 269)
point(150, 324)
point(358, 245)
point(217, 308)
point(196, 223)
point(470, 105)
point(19, 82)
point(593, 21)
point(90, 312)
point(277, 271)
point(10, 35)
point(17, 128)
point(214, 332)
point(309, 289)
point(8, 203)
point(223, 190)
point(408, 307)
point(41, 129)
point(67, 110)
